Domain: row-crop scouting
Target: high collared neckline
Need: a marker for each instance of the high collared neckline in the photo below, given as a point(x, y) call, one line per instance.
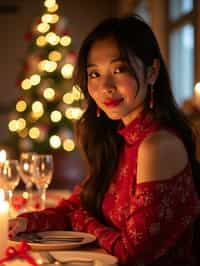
point(133, 130)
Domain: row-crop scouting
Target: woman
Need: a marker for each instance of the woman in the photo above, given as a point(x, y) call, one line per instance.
point(140, 198)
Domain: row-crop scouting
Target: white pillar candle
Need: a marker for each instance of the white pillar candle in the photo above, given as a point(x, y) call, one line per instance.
point(4, 207)
point(197, 94)
point(2, 156)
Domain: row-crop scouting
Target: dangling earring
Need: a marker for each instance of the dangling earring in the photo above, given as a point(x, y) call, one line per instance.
point(98, 112)
point(151, 102)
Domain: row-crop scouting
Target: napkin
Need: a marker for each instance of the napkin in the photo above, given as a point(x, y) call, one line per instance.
point(100, 259)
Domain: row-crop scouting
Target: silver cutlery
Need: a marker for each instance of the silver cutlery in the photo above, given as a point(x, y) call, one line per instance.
point(45, 240)
point(34, 237)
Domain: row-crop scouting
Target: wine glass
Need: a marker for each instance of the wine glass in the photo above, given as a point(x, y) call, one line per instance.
point(27, 171)
point(43, 175)
point(9, 179)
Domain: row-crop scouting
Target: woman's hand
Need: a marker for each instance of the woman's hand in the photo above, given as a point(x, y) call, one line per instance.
point(17, 225)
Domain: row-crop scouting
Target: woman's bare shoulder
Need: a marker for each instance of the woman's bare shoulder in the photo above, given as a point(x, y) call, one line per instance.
point(161, 156)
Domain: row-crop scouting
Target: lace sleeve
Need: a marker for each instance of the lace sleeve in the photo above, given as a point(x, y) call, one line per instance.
point(55, 218)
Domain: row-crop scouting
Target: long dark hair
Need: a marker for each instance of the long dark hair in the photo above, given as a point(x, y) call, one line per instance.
point(97, 137)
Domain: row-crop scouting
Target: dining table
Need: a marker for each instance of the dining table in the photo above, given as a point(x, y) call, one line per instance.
point(85, 253)
point(88, 255)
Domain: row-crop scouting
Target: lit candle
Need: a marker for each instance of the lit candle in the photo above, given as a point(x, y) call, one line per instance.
point(4, 207)
point(2, 156)
point(197, 94)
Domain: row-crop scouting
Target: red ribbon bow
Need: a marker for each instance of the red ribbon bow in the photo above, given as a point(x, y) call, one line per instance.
point(21, 251)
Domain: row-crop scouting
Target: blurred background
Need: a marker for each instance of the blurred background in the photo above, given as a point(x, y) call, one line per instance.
point(39, 43)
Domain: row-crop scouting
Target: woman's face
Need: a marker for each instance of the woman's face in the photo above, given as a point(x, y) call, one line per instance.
point(112, 85)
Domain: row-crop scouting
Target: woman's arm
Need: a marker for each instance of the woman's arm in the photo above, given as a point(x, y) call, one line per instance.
point(55, 218)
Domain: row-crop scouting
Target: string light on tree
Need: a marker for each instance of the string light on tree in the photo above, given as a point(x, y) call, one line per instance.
point(13, 125)
point(34, 132)
point(55, 142)
point(53, 9)
point(21, 124)
point(67, 71)
point(65, 40)
point(68, 145)
point(35, 79)
point(21, 106)
point(55, 56)
point(56, 116)
point(43, 27)
point(49, 94)
point(41, 41)
point(49, 3)
point(48, 103)
point(68, 98)
point(26, 84)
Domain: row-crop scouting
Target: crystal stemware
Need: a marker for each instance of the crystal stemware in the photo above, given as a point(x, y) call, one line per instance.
point(27, 171)
point(9, 179)
point(43, 175)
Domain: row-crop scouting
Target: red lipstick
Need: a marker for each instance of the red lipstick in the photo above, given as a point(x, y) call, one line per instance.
point(113, 102)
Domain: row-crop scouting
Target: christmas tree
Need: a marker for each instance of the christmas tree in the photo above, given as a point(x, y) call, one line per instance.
point(48, 103)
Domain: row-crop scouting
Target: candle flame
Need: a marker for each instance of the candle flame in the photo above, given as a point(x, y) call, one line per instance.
point(197, 87)
point(2, 195)
point(2, 156)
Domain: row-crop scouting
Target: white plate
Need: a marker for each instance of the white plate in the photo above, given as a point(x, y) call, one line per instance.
point(99, 258)
point(57, 245)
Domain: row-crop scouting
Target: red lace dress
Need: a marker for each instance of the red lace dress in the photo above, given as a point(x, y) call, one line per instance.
point(146, 224)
